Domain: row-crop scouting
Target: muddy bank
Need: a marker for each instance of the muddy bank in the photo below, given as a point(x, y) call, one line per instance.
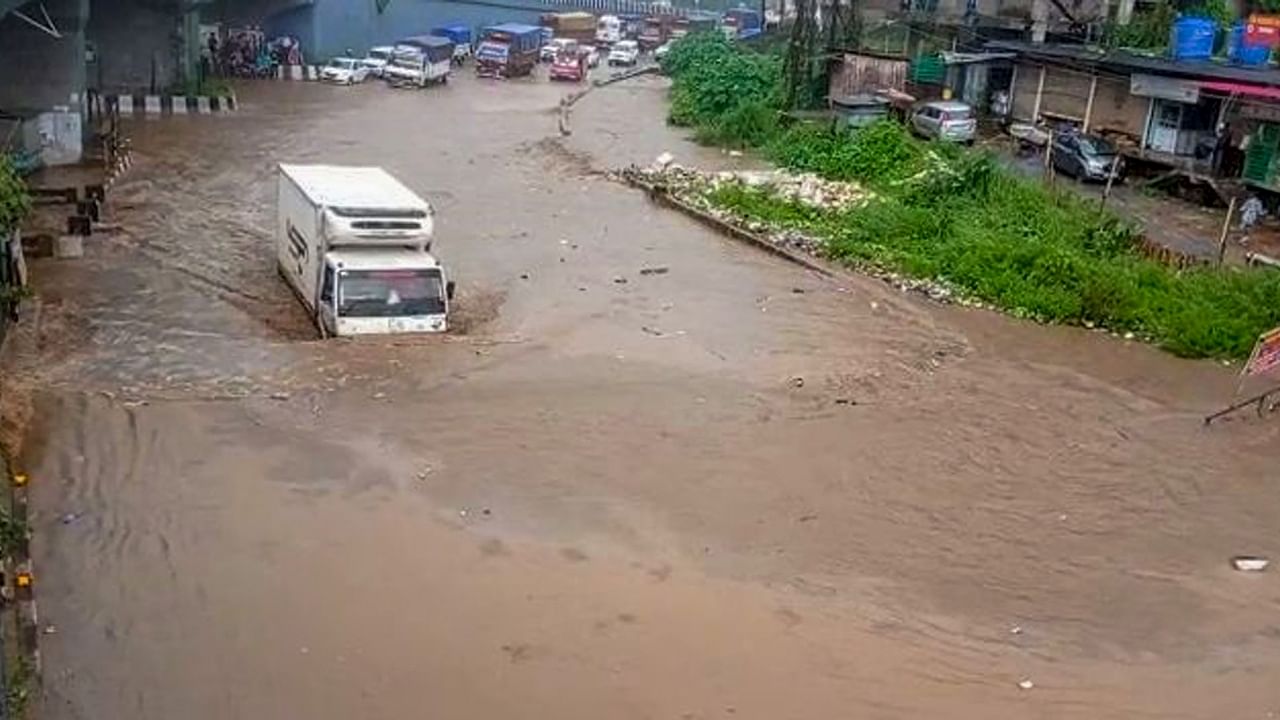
point(736, 488)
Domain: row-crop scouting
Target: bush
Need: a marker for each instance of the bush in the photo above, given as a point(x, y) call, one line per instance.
point(728, 94)
point(694, 50)
point(878, 155)
point(15, 202)
point(748, 125)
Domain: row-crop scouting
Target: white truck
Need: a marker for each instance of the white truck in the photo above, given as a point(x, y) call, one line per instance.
point(608, 30)
point(354, 245)
point(420, 61)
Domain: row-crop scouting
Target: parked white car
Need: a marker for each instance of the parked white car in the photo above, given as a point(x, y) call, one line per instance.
point(945, 120)
point(344, 71)
point(376, 60)
point(624, 52)
point(555, 47)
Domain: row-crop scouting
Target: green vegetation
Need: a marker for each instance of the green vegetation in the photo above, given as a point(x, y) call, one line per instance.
point(15, 202)
point(953, 215)
point(13, 534)
point(728, 94)
point(18, 686)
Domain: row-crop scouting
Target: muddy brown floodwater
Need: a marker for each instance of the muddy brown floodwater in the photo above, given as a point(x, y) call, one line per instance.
point(736, 489)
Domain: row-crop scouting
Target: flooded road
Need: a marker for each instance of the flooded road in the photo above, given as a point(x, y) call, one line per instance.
point(734, 489)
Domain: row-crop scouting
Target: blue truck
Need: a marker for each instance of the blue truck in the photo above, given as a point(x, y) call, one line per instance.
point(460, 34)
point(742, 23)
point(508, 50)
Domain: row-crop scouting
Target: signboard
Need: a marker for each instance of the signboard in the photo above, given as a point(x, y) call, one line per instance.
point(1266, 354)
point(1165, 88)
point(1262, 30)
point(1258, 111)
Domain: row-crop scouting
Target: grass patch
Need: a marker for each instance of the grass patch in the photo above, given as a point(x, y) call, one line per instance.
point(945, 213)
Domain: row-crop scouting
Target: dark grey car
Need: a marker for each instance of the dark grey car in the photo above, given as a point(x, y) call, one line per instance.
point(1085, 157)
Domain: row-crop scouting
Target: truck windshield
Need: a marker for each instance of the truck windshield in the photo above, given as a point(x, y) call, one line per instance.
point(390, 293)
point(407, 58)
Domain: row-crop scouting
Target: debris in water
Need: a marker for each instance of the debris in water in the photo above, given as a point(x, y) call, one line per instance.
point(1016, 629)
point(1026, 684)
point(735, 153)
point(875, 305)
point(50, 629)
point(797, 291)
point(71, 517)
point(797, 382)
point(652, 331)
point(807, 518)
point(424, 472)
point(846, 401)
point(663, 161)
point(462, 512)
point(1250, 563)
point(525, 276)
point(661, 270)
point(619, 280)
point(279, 396)
point(486, 511)
point(379, 395)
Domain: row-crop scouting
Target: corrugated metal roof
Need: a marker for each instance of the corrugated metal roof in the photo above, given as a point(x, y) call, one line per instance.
point(1094, 57)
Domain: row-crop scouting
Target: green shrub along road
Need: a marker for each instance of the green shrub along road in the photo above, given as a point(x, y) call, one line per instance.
point(953, 215)
point(14, 200)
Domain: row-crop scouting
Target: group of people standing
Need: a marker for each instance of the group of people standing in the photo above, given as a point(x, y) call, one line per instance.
point(247, 53)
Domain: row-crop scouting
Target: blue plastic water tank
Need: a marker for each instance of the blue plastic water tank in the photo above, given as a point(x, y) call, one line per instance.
point(1242, 53)
point(1192, 38)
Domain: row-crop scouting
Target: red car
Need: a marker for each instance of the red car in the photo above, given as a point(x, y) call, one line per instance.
point(570, 66)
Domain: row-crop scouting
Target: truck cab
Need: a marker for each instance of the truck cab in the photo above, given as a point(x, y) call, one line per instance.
point(383, 291)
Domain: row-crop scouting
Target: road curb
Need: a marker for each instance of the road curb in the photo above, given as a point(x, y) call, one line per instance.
point(20, 651)
point(161, 105)
point(662, 196)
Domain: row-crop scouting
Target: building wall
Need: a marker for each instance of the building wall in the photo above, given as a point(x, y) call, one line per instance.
point(137, 46)
point(297, 22)
point(41, 71)
point(1116, 110)
point(332, 27)
point(1066, 94)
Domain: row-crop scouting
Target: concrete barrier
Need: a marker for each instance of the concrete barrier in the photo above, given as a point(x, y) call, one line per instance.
point(298, 72)
point(153, 106)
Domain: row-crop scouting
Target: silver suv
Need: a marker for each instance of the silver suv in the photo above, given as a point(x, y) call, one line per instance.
point(945, 120)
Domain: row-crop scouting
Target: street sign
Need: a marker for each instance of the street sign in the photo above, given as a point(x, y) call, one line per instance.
point(1266, 354)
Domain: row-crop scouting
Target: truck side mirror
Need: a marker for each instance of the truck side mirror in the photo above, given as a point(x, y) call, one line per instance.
point(449, 287)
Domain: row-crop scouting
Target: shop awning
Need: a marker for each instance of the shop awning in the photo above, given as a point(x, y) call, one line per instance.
point(1233, 88)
